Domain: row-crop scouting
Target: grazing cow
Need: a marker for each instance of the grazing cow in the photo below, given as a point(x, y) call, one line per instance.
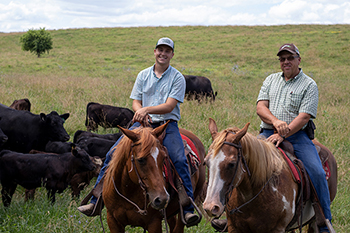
point(26, 131)
point(3, 138)
point(36, 170)
point(106, 116)
point(198, 88)
point(22, 104)
point(84, 134)
point(96, 146)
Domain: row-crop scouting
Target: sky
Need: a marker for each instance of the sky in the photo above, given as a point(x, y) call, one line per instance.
point(21, 15)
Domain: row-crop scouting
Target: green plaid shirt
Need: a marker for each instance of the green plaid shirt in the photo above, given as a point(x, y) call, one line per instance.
point(289, 98)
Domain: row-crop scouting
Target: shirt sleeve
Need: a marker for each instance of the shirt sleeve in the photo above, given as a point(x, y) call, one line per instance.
point(136, 92)
point(178, 88)
point(265, 89)
point(310, 101)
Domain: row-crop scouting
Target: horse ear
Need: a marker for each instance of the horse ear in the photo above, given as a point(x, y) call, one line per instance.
point(130, 134)
point(213, 128)
point(241, 133)
point(157, 132)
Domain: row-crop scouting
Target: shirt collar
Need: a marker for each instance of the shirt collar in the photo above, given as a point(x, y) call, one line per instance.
point(165, 72)
point(295, 78)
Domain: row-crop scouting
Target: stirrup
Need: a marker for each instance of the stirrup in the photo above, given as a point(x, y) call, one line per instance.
point(97, 192)
point(183, 217)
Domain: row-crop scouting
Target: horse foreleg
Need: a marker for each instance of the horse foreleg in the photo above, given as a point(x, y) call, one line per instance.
point(113, 224)
point(179, 227)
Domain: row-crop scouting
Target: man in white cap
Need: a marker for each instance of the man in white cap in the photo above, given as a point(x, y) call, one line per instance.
point(157, 94)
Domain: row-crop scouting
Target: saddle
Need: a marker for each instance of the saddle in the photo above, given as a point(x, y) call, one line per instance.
point(306, 190)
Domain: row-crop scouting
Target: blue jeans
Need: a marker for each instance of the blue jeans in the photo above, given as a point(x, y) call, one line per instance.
point(173, 142)
point(305, 150)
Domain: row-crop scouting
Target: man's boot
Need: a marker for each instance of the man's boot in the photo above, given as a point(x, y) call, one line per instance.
point(92, 209)
point(219, 224)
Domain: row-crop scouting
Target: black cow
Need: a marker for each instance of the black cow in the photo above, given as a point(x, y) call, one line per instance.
point(3, 138)
point(84, 134)
point(198, 88)
point(58, 147)
point(36, 170)
point(96, 146)
point(106, 116)
point(27, 131)
point(22, 104)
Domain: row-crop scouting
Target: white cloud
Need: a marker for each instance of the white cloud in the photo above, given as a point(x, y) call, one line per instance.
point(21, 15)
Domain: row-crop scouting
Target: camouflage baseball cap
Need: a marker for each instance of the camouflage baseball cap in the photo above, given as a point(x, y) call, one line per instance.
point(165, 41)
point(289, 48)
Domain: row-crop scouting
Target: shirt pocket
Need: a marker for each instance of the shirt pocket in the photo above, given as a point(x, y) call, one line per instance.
point(293, 102)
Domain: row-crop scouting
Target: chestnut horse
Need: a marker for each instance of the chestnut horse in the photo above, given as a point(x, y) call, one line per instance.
point(135, 191)
point(250, 180)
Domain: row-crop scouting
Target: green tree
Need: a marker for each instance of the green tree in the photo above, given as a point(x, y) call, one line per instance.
point(36, 41)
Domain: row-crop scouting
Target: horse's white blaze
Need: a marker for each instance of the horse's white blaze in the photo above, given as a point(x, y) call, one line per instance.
point(155, 153)
point(215, 181)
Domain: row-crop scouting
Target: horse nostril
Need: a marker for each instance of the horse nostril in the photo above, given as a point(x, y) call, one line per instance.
point(215, 210)
point(157, 201)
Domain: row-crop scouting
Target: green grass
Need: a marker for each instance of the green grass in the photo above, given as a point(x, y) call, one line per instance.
point(101, 65)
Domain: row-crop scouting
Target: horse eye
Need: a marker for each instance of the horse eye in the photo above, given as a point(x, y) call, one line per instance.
point(231, 165)
point(141, 161)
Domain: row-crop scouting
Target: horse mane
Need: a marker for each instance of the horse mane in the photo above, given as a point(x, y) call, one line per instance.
point(263, 159)
point(122, 152)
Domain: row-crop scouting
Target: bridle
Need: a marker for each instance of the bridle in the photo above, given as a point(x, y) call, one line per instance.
point(143, 187)
point(240, 158)
point(141, 183)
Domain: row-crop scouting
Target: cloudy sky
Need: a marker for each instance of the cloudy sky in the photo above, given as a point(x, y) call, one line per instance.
point(21, 15)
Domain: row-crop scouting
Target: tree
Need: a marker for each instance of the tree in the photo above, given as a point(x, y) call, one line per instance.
point(36, 41)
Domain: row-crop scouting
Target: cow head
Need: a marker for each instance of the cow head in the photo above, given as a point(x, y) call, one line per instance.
point(84, 163)
point(54, 126)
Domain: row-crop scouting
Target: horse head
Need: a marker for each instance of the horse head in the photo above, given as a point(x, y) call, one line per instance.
point(226, 166)
point(142, 166)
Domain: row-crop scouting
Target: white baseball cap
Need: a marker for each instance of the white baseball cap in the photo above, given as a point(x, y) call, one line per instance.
point(165, 41)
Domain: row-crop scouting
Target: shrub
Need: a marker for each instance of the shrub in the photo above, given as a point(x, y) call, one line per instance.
point(36, 41)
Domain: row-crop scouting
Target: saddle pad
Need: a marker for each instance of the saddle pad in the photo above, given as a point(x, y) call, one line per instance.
point(191, 144)
point(326, 169)
point(192, 156)
point(291, 166)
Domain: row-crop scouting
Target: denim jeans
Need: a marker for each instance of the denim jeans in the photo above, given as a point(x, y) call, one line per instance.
point(305, 150)
point(173, 142)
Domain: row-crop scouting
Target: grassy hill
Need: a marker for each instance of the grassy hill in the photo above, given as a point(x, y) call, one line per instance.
point(101, 65)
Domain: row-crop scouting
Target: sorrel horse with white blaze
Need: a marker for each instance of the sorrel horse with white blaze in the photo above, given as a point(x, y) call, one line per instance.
point(250, 180)
point(135, 191)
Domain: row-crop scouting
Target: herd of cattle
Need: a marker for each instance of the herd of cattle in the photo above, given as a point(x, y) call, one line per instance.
point(35, 152)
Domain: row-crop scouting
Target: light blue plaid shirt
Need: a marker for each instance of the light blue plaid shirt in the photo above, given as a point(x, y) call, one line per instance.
point(289, 98)
point(153, 91)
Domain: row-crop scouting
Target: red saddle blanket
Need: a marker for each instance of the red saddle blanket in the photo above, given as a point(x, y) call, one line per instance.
point(191, 154)
point(294, 170)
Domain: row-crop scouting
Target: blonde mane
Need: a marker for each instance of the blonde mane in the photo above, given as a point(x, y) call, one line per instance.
point(263, 159)
point(122, 152)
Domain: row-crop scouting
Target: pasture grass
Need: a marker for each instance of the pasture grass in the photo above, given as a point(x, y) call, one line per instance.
point(101, 65)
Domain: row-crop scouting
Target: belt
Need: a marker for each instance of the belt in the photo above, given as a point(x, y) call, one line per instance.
point(159, 123)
